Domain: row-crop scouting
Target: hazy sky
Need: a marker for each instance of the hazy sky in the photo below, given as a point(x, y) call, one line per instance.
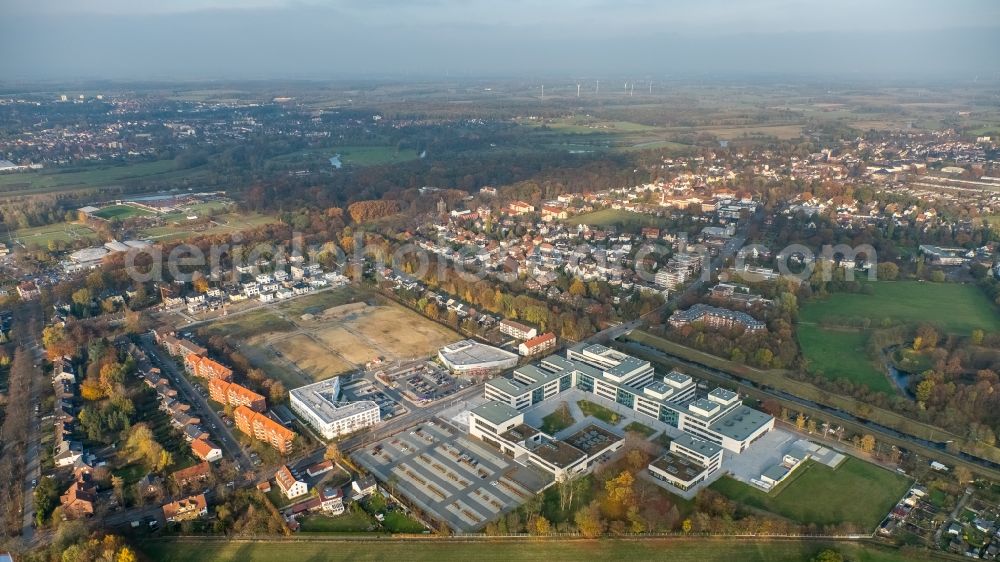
point(194, 39)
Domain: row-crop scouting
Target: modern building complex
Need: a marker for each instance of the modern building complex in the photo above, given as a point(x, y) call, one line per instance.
point(503, 427)
point(716, 317)
point(319, 404)
point(689, 462)
point(720, 418)
point(263, 428)
point(235, 395)
point(471, 357)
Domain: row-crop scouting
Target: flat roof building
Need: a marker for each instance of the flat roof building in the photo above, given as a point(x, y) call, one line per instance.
point(320, 405)
point(469, 357)
point(719, 418)
point(503, 427)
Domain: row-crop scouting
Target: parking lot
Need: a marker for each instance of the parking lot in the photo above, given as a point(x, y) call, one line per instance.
point(366, 390)
point(451, 476)
point(422, 383)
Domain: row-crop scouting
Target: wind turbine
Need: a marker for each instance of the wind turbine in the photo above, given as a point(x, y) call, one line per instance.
point(578, 90)
point(598, 89)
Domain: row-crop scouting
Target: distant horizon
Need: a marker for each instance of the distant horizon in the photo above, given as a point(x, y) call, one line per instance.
point(386, 39)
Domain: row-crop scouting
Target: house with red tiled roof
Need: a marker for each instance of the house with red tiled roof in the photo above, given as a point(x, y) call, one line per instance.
point(193, 507)
point(205, 450)
point(290, 486)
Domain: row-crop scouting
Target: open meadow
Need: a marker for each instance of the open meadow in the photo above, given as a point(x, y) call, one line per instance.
point(842, 353)
point(953, 307)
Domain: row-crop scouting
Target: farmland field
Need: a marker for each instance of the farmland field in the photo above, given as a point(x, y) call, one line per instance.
point(841, 354)
point(855, 492)
point(678, 550)
point(51, 180)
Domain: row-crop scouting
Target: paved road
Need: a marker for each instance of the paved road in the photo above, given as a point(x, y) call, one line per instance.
point(32, 468)
point(221, 431)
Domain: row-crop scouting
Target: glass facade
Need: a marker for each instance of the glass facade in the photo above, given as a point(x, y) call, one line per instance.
point(668, 416)
point(625, 398)
point(565, 382)
point(585, 382)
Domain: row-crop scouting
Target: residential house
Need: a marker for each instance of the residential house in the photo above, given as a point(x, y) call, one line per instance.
point(193, 507)
point(205, 450)
point(290, 486)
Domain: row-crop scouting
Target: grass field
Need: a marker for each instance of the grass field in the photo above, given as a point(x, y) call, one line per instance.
point(599, 412)
point(855, 492)
point(53, 180)
point(60, 232)
point(371, 155)
point(349, 522)
point(222, 224)
point(349, 155)
point(838, 353)
point(121, 212)
point(557, 421)
point(841, 354)
point(616, 217)
point(955, 308)
point(675, 550)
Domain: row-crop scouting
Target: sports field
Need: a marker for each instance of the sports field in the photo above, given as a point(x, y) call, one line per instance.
point(121, 212)
point(616, 217)
point(954, 307)
point(841, 354)
point(855, 492)
point(698, 549)
point(42, 235)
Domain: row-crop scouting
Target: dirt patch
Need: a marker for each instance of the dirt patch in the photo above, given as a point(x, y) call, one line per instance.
point(312, 357)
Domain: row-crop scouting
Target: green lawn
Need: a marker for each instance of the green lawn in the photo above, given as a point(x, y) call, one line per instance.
point(599, 412)
point(349, 522)
point(121, 212)
point(856, 492)
point(399, 522)
point(247, 325)
point(371, 155)
point(841, 354)
point(616, 217)
point(557, 421)
point(639, 428)
point(59, 232)
point(955, 308)
point(674, 550)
